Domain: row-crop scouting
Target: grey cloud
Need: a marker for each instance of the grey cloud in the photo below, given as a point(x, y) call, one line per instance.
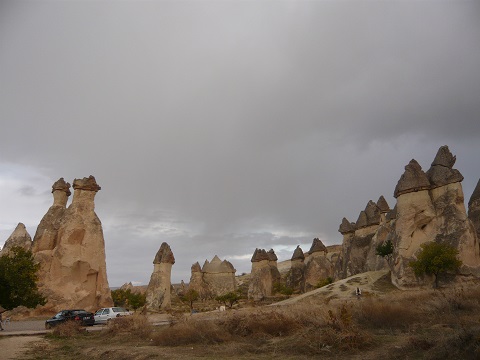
point(212, 124)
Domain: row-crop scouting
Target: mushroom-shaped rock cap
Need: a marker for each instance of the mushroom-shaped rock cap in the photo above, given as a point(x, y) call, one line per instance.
point(227, 267)
point(298, 254)
point(217, 266)
point(413, 179)
point(196, 267)
point(61, 185)
point(89, 184)
point(259, 255)
point(271, 255)
point(346, 227)
point(164, 255)
point(444, 157)
point(373, 213)
point(441, 172)
point(317, 246)
point(362, 220)
point(475, 195)
point(382, 204)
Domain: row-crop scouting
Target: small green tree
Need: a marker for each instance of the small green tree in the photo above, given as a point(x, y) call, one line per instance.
point(229, 299)
point(190, 296)
point(436, 259)
point(18, 280)
point(324, 282)
point(126, 298)
point(385, 250)
point(282, 289)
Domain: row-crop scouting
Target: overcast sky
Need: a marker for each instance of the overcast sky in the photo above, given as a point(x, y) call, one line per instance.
point(222, 126)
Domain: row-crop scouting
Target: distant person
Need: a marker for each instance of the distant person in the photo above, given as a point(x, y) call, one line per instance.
point(358, 292)
point(1, 321)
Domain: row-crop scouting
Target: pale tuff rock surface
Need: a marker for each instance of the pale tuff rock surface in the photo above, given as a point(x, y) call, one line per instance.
point(264, 274)
point(20, 237)
point(215, 278)
point(158, 295)
point(70, 247)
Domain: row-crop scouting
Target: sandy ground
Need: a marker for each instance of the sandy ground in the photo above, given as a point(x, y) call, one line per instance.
point(13, 347)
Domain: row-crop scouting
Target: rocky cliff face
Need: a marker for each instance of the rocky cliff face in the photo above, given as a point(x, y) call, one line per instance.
point(474, 209)
point(19, 238)
point(158, 295)
point(430, 207)
point(70, 247)
point(360, 240)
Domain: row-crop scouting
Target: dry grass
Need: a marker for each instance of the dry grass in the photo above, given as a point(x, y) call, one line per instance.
point(136, 326)
point(416, 324)
point(68, 329)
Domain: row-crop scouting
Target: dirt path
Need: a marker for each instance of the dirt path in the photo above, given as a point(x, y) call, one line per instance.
point(13, 347)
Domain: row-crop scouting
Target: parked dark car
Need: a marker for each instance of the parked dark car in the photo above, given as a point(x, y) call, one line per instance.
point(84, 318)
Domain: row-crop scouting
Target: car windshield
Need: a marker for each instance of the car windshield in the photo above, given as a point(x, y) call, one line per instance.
point(118, 309)
point(59, 315)
point(99, 312)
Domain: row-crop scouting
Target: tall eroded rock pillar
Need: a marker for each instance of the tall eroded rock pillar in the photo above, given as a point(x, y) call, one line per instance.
point(158, 294)
point(70, 246)
point(264, 274)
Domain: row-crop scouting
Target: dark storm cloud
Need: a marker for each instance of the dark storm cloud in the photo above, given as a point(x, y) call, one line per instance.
point(224, 126)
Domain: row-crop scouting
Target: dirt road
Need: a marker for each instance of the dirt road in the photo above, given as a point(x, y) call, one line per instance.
point(13, 347)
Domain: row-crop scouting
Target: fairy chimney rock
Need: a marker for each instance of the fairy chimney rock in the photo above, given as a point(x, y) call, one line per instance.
point(70, 248)
point(158, 296)
point(19, 238)
point(413, 179)
point(264, 274)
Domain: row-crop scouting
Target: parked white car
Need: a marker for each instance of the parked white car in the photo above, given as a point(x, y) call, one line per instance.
point(104, 315)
